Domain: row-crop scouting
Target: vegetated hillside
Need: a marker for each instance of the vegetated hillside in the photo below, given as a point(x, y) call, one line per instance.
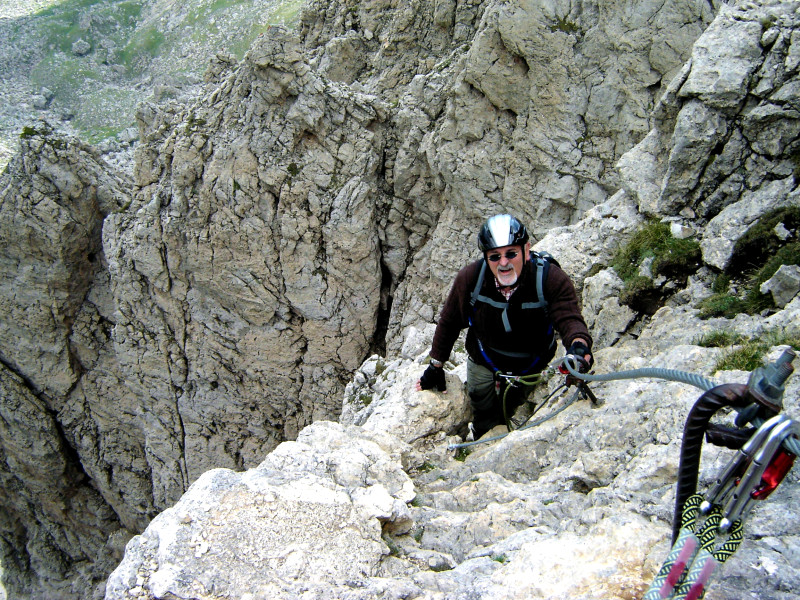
point(88, 63)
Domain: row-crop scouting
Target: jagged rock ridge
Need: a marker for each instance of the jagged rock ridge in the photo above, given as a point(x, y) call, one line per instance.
point(310, 207)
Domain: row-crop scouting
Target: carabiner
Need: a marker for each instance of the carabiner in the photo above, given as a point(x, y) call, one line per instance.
point(736, 467)
point(576, 362)
point(752, 485)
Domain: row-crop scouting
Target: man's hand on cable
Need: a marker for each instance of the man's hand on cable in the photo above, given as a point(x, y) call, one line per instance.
point(581, 350)
point(433, 377)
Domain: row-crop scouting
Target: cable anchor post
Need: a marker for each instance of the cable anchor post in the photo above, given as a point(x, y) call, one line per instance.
point(766, 384)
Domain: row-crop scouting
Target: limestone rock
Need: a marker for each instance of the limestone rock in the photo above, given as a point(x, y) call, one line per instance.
point(606, 318)
point(310, 514)
point(248, 265)
point(705, 130)
point(519, 517)
point(65, 494)
point(388, 401)
point(593, 240)
point(307, 210)
point(722, 232)
point(784, 285)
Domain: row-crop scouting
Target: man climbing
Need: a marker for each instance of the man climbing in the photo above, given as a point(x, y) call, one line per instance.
point(512, 301)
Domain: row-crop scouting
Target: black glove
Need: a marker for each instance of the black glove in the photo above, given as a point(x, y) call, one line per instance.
point(433, 377)
point(580, 350)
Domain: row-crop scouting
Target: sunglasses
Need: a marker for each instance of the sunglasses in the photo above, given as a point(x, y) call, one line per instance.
point(510, 255)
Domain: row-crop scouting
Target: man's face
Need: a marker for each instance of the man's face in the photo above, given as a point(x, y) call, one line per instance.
point(506, 263)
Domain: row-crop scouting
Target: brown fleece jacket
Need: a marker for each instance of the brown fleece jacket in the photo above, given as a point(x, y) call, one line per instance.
point(528, 346)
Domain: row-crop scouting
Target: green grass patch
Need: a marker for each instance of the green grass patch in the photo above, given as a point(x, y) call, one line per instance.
point(671, 257)
point(143, 46)
point(418, 533)
point(722, 284)
point(756, 256)
point(63, 75)
point(786, 255)
point(115, 31)
point(761, 241)
point(201, 13)
point(462, 454)
point(66, 22)
point(28, 132)
point(636, 287)
point(501, 558)
point(394, 549)
point(719, 339)
point(95, 135)
point(288, 13)
point(108, 111)
point(749, 354)
point(722, 305)
point(565, 25)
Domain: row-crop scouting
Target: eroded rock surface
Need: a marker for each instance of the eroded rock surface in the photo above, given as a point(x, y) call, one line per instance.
point(308, 210)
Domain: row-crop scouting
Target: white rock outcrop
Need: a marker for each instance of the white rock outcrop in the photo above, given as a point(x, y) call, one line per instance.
point(579, 506)
point(784, 285)
point(307, 211)
point(307, 518)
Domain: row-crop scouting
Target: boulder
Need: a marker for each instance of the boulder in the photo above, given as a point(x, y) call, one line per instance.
point(309, 515)
point(783, 286)
point(81, 47)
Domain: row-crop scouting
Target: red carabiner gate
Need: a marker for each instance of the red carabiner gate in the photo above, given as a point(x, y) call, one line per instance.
point(776, 470)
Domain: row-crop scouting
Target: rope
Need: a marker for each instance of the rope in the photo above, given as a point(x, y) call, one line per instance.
point(658, 373)
point(694, 585)
point(526, 380)
point(681, 554)
point(693, 558)
point(698, 381)
point(705, 384)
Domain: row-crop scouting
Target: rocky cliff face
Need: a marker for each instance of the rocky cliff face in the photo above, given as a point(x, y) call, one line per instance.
point(307, 211)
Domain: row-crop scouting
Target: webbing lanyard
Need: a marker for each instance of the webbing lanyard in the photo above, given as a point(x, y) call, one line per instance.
point(513, 381)
point(752, 474)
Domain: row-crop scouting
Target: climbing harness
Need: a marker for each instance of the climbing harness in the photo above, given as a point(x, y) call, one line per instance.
point(506, 383)
point(572, 365)
point(582, 391)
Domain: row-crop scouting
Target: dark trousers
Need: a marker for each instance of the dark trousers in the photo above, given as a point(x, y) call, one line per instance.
point(487, 400)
